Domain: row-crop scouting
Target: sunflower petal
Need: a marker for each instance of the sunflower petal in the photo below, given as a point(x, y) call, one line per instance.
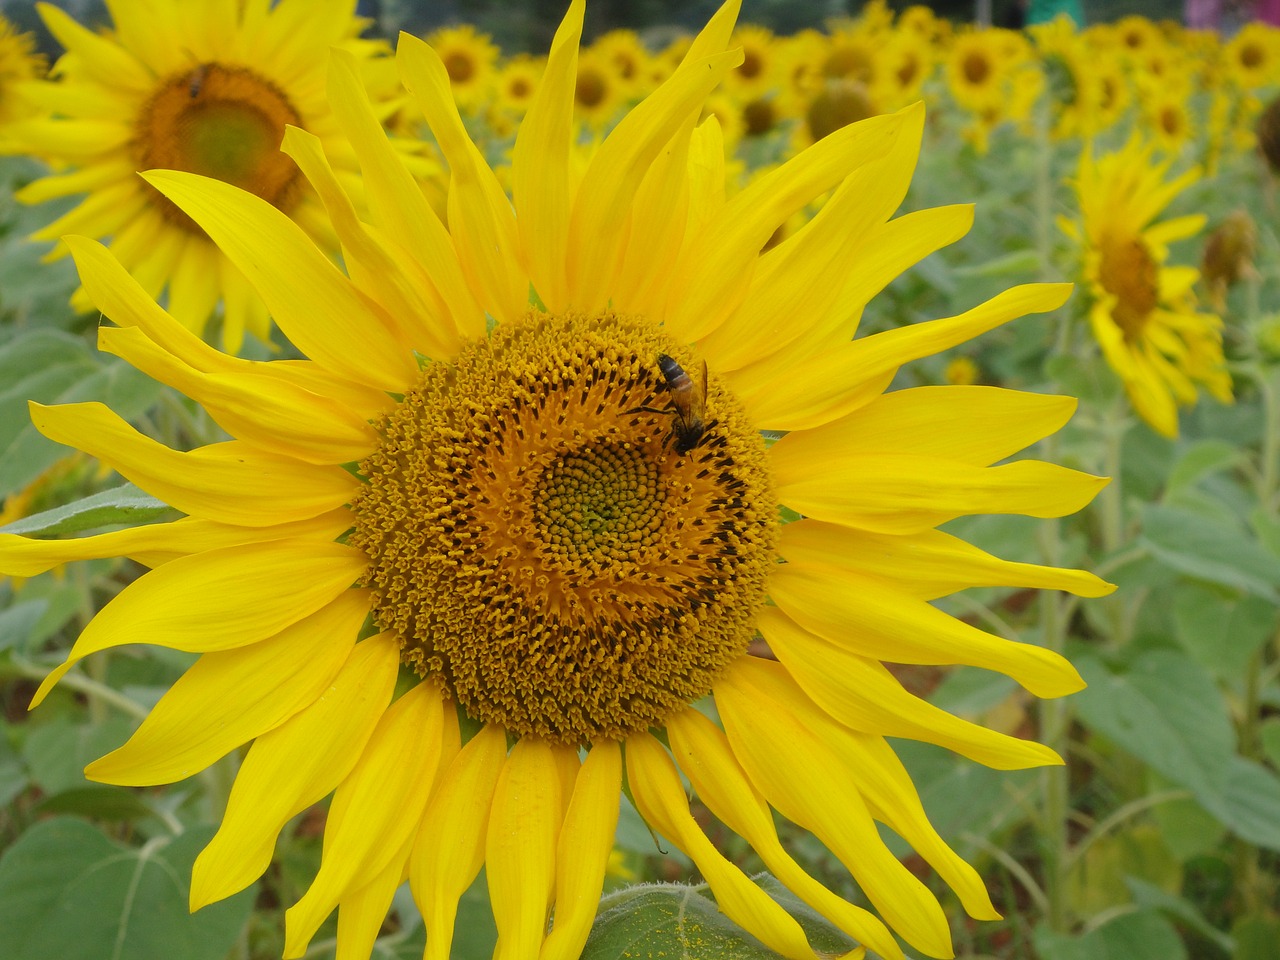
point(582, 852)
point(219, 600)
point(375, 810)
point(293, 766)
point(228, 698)
point(703, 753)
point(450, 846)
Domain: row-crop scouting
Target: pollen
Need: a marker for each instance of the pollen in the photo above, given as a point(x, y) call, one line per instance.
point(541, 547)
point(219, 121)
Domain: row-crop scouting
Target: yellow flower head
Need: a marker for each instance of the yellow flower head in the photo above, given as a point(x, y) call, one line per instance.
point(469, 56)
point(1144, 313)
point(527, 445)
point(205, 88)
point(19, 64)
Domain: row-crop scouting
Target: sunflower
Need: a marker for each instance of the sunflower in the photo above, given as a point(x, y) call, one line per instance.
point(469, 56)
point(1253, 56)
point(755, 76)
point(528, 448)
point(19, 63)
point(1144, 313)
point(623, 50)
point(205, 88)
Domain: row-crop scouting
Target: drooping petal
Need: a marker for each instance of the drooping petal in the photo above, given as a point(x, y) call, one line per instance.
point(928, 564)
point(230, 697)
point(861, 694)
point(362, 913)
point(219, 600)
point(661, 800)
point(582, 853)
point(293, 766)
point(810, 785)
point(375, 810)
point(703, 753)
point(520, 848)
point(450, 847)
point(872, 619)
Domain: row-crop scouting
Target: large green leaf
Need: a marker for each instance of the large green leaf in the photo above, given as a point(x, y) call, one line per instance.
point(69, 893)
point(1141, 935)
point(1199, 547)
point(123, 505)
point(1221, 631)
point(1163, 708)
point(1252, 803)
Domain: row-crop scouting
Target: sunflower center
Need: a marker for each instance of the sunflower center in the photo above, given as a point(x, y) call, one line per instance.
point(840, 103)
point(460, 66)
point(552, 543)
point(590, 89)
point(760, 116)
point(221, 122)
point(1129, 273)
point(976, 68)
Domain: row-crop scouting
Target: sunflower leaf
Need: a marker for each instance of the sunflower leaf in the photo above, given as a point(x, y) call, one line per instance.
point(69, 893)
point(120, 505)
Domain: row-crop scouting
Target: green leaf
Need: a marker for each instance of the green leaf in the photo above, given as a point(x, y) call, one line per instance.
point(13, 777)
point(1221, 632)
point(57, 752)
point(1252, 803)
point(1011, 264)
point(1200, 548)
point(1200, 459)
point(1269, 735)
point(99, 802)
point(1141, 935)
point(1165, 710)
point(18, 622)
point(1150, 896)
point(69, 893)
point(674, 920)
point(123, 505)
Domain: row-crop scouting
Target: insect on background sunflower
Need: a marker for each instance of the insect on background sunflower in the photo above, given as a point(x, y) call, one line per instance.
point(566, 538)
point(1144, 312)
point(207, 88)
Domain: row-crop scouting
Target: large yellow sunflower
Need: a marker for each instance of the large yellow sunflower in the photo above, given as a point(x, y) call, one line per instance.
point(207, 88)
point(1144, 312)
point(528, 447)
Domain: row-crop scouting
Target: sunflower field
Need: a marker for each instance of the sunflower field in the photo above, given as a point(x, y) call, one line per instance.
point(689, 492)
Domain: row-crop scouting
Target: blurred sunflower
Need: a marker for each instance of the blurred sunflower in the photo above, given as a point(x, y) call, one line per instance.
point(564, 520)
point(1144, 312)
point(755, 75)
point(19, 63)
point(470, 57)
point(1253, 56)
point(204, 88)
point(623, 50)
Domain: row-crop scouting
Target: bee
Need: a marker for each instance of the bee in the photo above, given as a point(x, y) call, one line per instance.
point(688, 402)
point(197, 79)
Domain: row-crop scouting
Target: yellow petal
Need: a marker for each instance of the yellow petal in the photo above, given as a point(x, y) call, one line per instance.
point(450, 846)
point(481, 221)
point(520, 848)
point(808, 783)
point(98, 55)
point(928, 564)
point(714, 276)
point(316, 306)
point(826, 386)
point(967, 424)
point(375, 810)
point(582, 853)
point(228, 482)
point(268, 412)
point(395, 199)
point(901, 493)
point(541, 186)
point(154, 544)
point(600, 225)
point(861, 694)
point(293, 766)
point(228, 698)
point(219, 600)
point(872, 619)
point(363, 913)
point(660, 798)
point(702, 751)
point(422, 321)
